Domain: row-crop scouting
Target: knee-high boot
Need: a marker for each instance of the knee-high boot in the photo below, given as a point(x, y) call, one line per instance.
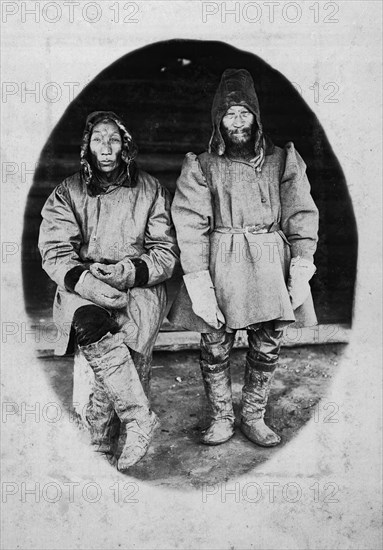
point(112, 364)
point(255, 393)
point(217, 383)
point(143, 364)
point(103, 421)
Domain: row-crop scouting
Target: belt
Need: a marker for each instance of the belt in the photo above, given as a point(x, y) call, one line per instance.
point(253, 229)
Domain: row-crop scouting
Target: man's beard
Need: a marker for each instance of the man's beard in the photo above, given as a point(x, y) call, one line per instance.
point(240, 147)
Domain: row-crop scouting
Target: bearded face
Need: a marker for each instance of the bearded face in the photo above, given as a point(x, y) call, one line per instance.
point(238, 129)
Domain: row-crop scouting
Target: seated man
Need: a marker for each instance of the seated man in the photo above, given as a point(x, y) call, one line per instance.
point(108, 242)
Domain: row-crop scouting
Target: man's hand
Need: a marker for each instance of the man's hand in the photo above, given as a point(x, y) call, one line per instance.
point(213, 316)
point(120, 275)
point(204, 302)
point(100, 293)
point(298, 287)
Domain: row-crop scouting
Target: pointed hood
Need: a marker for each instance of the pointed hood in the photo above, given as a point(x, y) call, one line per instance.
point(128, 154)
point(236, 88)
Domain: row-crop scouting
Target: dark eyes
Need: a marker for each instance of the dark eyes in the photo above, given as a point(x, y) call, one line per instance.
point(115, 140)
point(243, 114)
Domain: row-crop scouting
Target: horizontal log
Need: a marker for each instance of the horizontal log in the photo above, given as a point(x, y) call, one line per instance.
point(179, 341)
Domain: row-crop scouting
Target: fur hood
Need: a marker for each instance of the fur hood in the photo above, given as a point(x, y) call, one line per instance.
point(129, 148)
point(236, 88)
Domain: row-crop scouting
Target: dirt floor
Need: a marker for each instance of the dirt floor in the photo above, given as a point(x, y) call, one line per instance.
point(176, 458)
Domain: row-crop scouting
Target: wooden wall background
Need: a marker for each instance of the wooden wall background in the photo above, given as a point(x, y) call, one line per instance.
point(164, 93)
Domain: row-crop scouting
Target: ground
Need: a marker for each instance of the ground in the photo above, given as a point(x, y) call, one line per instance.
point(176, 458)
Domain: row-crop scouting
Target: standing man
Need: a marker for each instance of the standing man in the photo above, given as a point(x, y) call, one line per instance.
point(247, 230)
point(108, 242)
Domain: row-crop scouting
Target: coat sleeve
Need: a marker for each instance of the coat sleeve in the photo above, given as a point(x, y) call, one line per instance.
point(192, 213)
point(299, 215)
point(60, 236)
point(160, 241)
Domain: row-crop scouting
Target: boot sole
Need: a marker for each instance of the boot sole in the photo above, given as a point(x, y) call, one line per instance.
point(258, 442)
point(214, 443)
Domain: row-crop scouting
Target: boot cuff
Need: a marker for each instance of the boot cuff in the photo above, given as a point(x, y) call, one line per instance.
point(105, 345)
point(262, 366)
point(214, 368)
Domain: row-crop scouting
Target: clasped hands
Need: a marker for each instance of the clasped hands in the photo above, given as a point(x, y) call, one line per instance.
point(120, 275)
point(106, 285)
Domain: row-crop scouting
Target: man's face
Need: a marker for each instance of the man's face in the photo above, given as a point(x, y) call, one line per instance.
point(237, 123)
point(106, 146)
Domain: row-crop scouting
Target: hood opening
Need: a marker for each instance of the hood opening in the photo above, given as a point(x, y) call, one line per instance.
point(235, 88)
point(128, 177)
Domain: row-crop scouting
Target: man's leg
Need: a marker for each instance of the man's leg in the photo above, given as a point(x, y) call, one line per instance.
point(103, 421)
point(215, 367)
point(261, 362)
point(143, 364)
point(91, 323)
point(108, 355)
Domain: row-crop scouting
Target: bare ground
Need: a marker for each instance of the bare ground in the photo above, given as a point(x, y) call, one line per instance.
point(176, 458)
